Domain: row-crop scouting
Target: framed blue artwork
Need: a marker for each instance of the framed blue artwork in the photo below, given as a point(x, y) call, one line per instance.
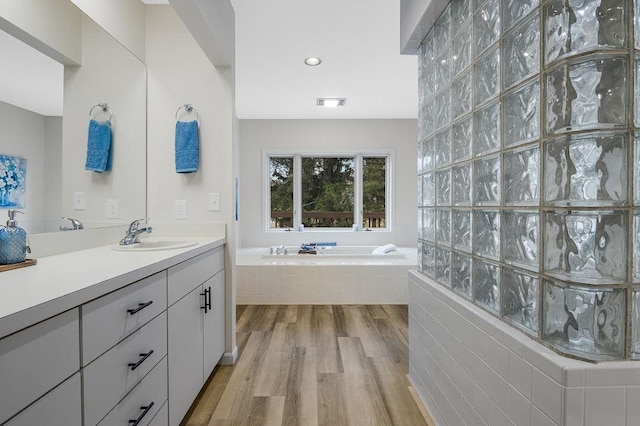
point(13, 181)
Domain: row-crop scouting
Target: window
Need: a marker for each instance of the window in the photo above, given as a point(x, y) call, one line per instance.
point(374, 192)
point(328, 191)
point(281, 184)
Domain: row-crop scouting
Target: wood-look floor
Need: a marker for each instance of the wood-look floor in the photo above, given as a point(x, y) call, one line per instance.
point(314, 365)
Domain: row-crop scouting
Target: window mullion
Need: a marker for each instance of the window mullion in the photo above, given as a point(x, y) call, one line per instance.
point(297, 191)
point(357, 192)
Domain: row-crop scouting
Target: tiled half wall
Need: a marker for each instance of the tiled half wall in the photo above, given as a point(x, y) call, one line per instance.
point(470, 368)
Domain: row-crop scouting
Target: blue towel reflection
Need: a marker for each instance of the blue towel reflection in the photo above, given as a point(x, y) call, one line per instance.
point(99, 148)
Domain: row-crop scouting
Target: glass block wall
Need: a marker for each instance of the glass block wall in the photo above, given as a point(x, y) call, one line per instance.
point(529, 167)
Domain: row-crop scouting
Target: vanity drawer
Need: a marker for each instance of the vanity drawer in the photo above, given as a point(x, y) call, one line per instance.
point(162, 418)
point(185, 276)
point(110, 377)
point(62, 407)
point(35, 360)
point(111, 318)
point(152, 389)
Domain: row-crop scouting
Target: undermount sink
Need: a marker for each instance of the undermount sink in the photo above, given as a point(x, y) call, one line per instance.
point(152, 244)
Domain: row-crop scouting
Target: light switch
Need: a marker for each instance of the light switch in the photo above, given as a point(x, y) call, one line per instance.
point(214, 201)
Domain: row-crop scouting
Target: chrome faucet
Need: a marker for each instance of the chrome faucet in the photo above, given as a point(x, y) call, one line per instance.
point(134, 232)
point(75, 225)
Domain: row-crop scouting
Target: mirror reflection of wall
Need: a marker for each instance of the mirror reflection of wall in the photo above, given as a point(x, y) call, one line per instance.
point(109, 74)
point(31, 92)
point(54, 140)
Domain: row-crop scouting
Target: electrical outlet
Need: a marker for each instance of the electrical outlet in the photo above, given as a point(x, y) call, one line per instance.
point(113, 209)
point(214, 201)
point(79, 201)
point(180, 209)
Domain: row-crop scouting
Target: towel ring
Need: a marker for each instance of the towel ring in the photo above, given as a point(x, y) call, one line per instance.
point(104, 107)
point(188, 108)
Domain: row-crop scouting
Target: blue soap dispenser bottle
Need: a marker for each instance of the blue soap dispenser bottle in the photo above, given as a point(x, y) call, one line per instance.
point(13, 241)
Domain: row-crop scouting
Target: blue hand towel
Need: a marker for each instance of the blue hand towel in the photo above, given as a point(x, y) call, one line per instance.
point(99, 146)
point(187, 149)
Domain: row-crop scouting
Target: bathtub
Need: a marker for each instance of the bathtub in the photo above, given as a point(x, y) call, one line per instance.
point(336, 275)
point(335, 252)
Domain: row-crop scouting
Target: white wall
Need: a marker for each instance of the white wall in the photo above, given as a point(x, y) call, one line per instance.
point(111, 74)
point(33, 137)
point(51, 26)
point(53, 173)
point(328, 135)
point(123, 19)
point(180, 73)
point(416, 19)
point(212, 24)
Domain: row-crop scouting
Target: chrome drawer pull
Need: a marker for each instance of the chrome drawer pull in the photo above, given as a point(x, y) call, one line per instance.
point(135, 365)
point(140, 307)
point(144, 413)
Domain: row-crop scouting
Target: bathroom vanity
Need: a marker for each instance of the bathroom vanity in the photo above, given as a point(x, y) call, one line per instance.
point(100, 336)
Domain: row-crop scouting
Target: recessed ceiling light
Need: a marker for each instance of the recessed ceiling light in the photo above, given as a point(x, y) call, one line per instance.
point(331, 102)
point(312, 61)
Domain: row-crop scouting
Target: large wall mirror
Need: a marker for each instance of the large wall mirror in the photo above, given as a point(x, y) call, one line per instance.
point(53, 139)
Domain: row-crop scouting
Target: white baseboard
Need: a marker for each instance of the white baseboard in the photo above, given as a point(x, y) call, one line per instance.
point(229, 358)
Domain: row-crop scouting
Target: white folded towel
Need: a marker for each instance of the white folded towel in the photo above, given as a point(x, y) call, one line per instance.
point(384, 249)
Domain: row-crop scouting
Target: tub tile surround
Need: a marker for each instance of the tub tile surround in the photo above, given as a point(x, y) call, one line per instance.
point(306, 281)
point(463, 380)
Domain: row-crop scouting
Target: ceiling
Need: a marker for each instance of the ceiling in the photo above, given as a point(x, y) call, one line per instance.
point(358, 41)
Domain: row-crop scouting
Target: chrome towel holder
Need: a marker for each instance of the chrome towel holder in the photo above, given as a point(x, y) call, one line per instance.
point(188, 109)
point(104, 107)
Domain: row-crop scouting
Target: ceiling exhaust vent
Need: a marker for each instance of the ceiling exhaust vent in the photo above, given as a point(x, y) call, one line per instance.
point(331, 102)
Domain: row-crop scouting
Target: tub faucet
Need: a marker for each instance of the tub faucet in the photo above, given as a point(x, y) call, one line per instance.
point(134, 232)
point(278, 250)
point(75, 224)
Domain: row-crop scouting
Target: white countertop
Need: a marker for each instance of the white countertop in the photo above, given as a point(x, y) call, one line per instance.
point(61, 282)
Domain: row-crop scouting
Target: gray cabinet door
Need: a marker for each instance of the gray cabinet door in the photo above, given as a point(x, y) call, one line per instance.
point(185, 351)
point(214, 324)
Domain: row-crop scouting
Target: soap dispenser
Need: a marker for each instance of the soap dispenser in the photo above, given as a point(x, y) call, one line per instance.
point(13, 241)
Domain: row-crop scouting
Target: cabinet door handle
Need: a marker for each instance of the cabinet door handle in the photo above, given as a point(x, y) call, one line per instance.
point(135, 365)
point(140, 307)
point(206, 306)
point(146, 409)
point(209, 300)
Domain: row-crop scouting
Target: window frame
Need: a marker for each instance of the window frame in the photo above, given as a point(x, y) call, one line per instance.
point(297, 187)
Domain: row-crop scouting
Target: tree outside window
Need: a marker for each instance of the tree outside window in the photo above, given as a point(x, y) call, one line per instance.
point(334, 191)
point(281, 190)
point(327, 192)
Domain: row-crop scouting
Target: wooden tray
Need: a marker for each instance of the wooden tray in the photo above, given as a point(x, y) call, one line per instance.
point(28, 262)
